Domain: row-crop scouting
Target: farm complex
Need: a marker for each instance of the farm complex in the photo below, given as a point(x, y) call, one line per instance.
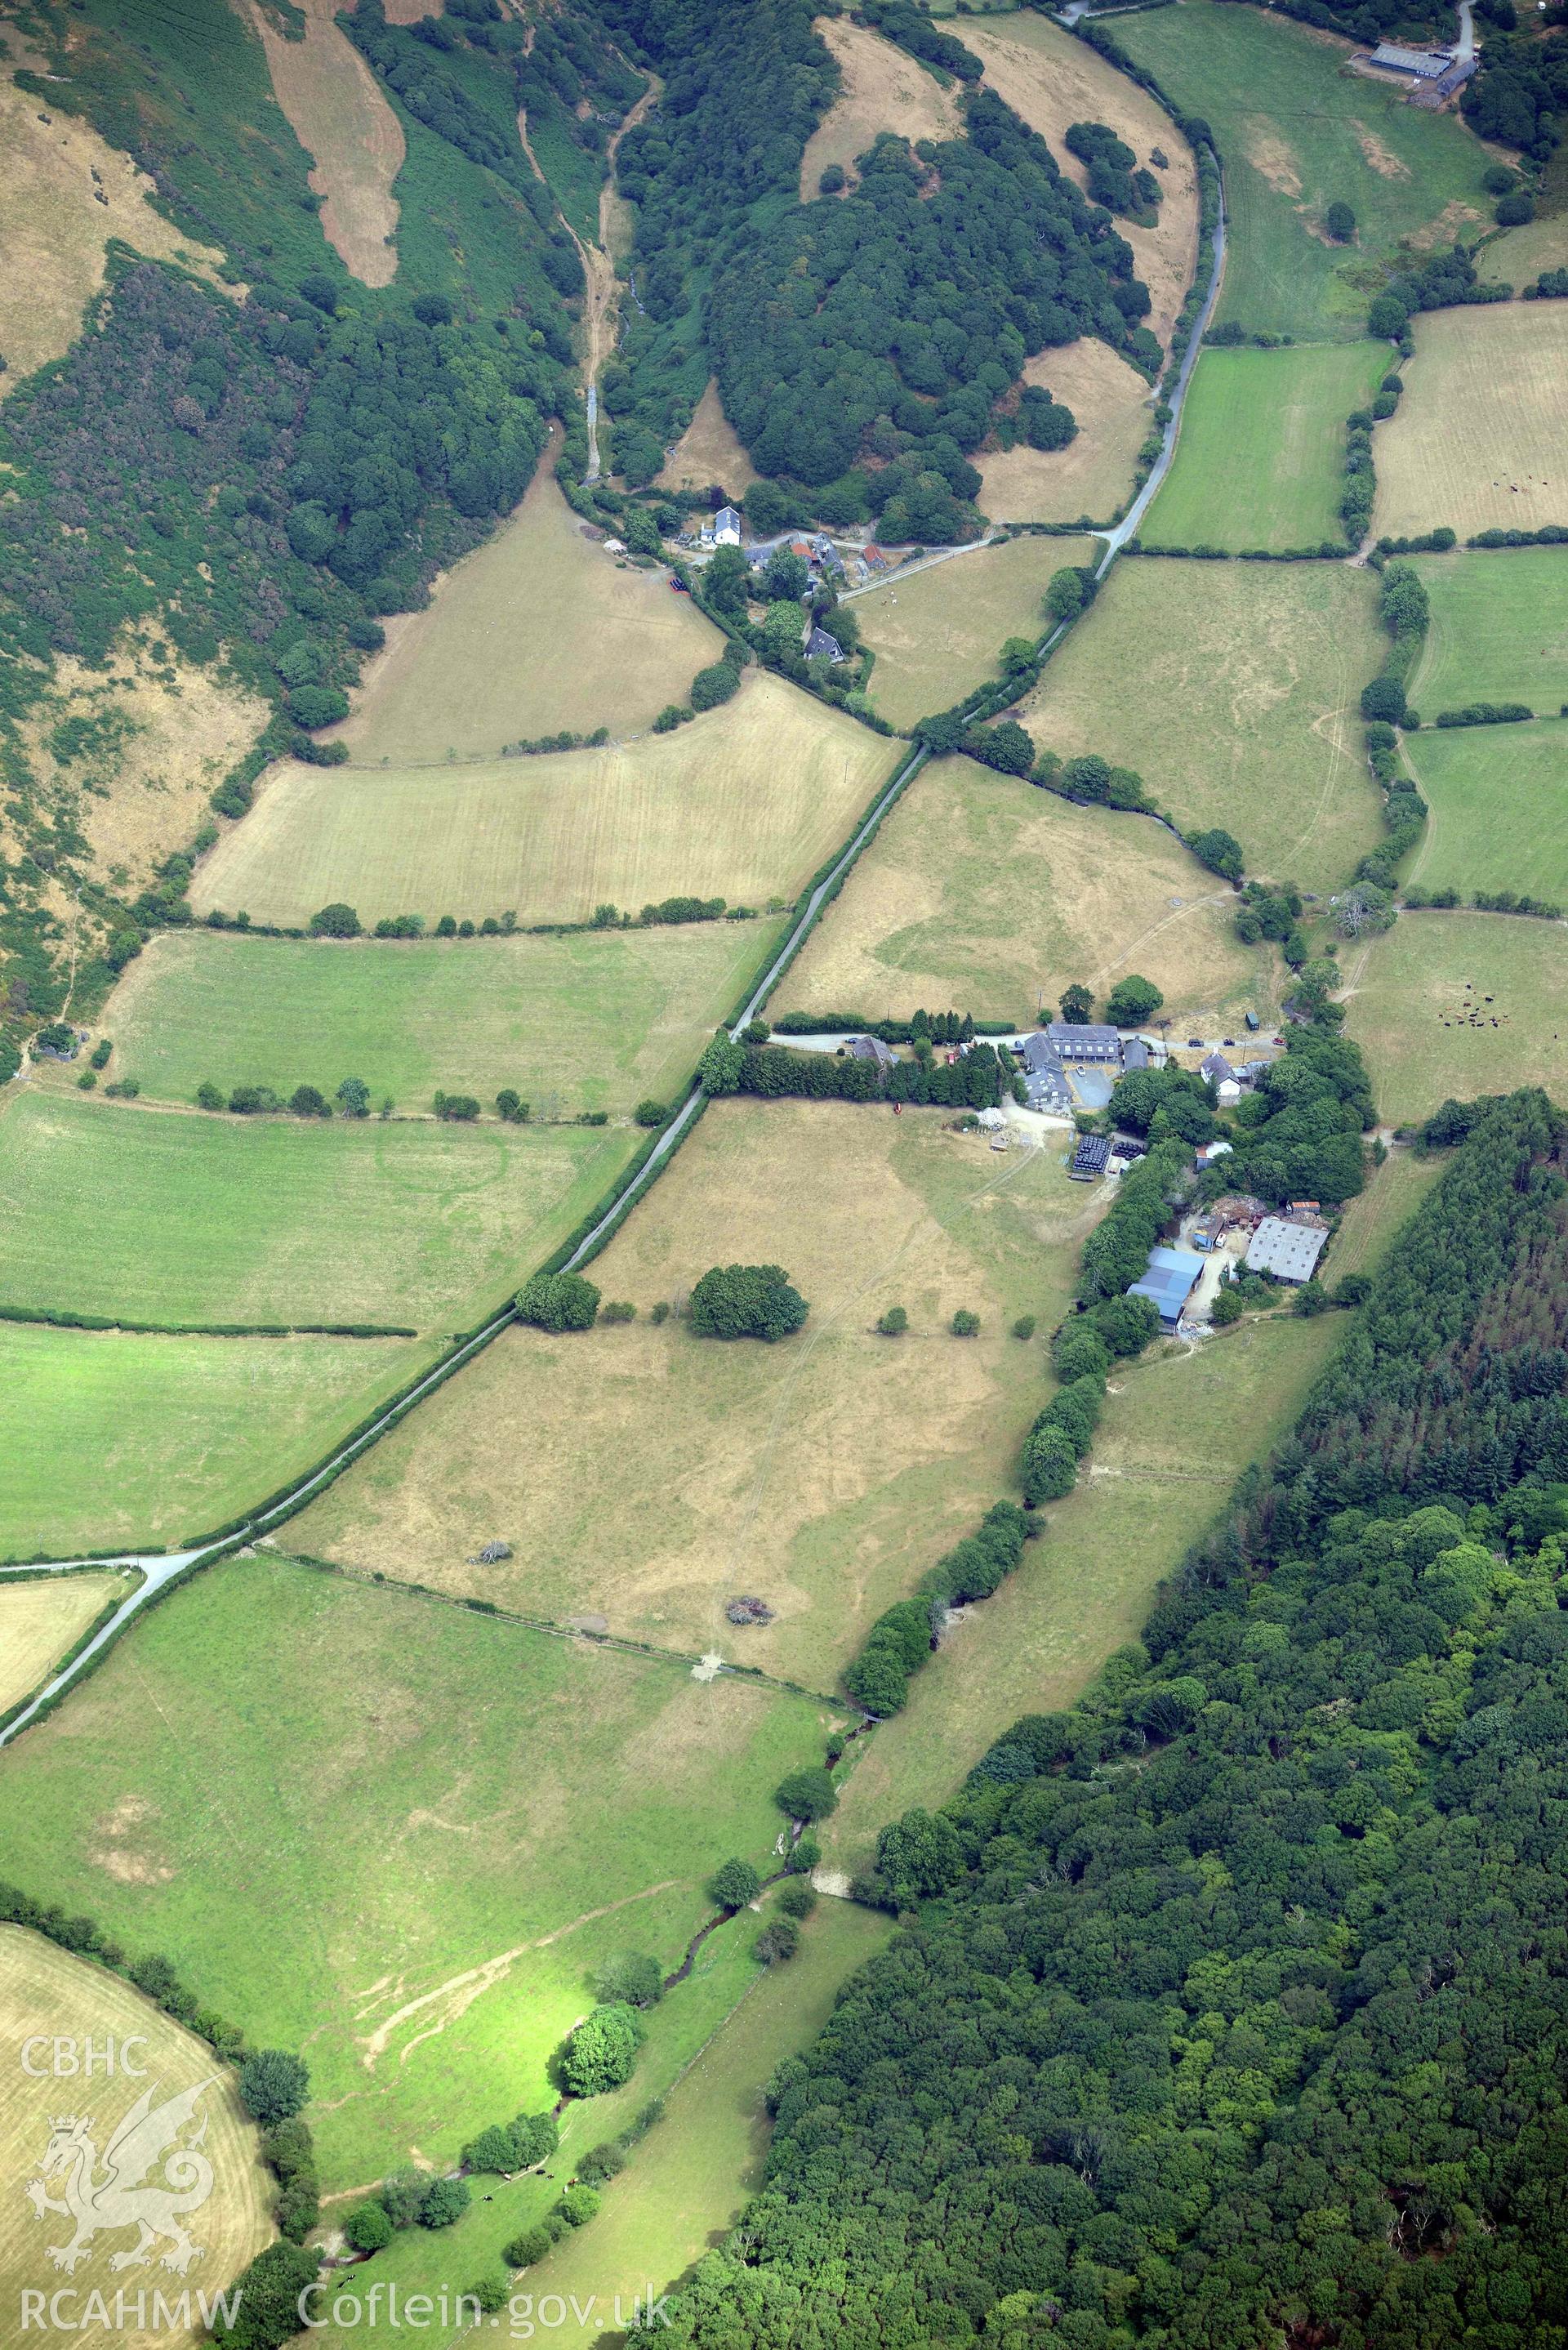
point(783, 1089)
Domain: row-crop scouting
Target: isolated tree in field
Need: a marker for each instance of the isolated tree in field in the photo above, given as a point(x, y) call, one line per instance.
point(733, 1885)
point(1077, 1003)
point(893, 1323)
point(965, 1324)
point(274, 2084)
point(354, 1098)
point(746, 1301)
point(650, 1112)
point(558, 1301)
point(778, 1941)
point(1132, 1001)
point(631, 1979)
point(308, 1101)
point(511, 1108)
point(807, 1794)
point(1363, 910)
point(335, 922)
point(602, 2051)
point(208, 1096)
point(1340, 222)
point(368, 2226)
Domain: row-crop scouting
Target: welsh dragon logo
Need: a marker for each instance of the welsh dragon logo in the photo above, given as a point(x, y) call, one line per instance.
point(117, 2194)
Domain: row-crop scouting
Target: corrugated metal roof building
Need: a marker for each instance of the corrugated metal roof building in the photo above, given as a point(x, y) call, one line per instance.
point(1172, 1276)
point(1288, 1251)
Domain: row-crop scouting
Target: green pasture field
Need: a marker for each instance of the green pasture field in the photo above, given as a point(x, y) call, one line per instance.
point(1499, 801)
point(1235, 690)
point(688, 2179)
point(1176, 1432)
point(745, 803)
point(983, 894)
point(1260, 460)
point(1518, 257)
point(1299, 132)
point(575, 176)
point(116, 1437)
point(392, 1833)
point(938, 634)
point(1413, 994)
point(1499, 629)
point(173, 1216)
point(599, 1020)
point(663, 1474)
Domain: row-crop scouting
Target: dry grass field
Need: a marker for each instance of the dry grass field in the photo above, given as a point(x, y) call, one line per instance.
point(1177, 1431)
point(141, 788)
point(708, 451)
point(937, 634)
point(1477, 442)
point(1233, 688)
point(1422, 1000)
point(53, 229)
point(1052, 81)
point(980, 892)
point(342, 119)
point(42, 1619)
point(1093, 475)
point(645, 1477)
point(883, 88)
point(744, 803)
point(45, 1989)
point(537, 632)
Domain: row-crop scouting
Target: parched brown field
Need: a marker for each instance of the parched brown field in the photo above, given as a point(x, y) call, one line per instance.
point(1052, 81)
point(1093, 475)
point(883, 88)
point(42, 1619)
point(744, 803)
point(343, 120)
point(1478, 442)
point(708, 451)
point(44, 1988)
point(1233, 688)
point(645, 1476)
point(937, 633)
point(981, 893)
point(537, 632)
point(53, 230)
point(143, 789)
